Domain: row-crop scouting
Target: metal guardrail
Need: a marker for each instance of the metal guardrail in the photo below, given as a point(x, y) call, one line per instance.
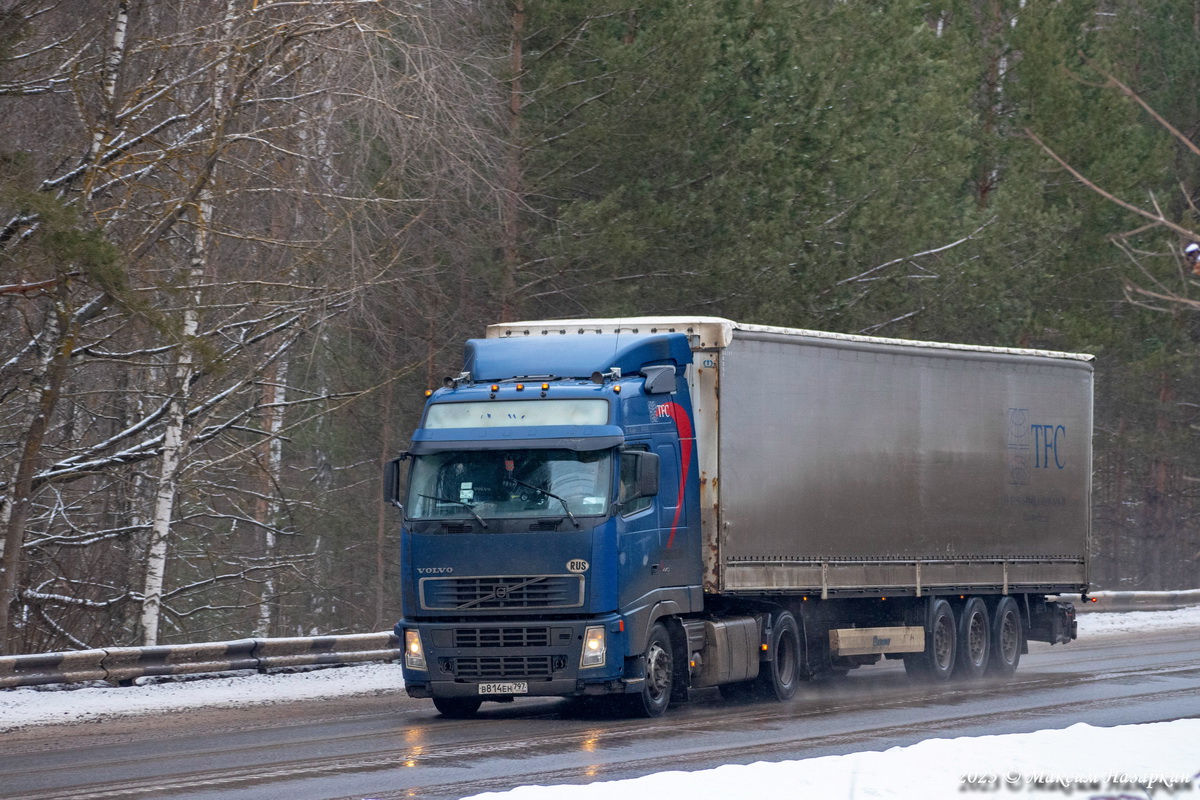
point(121, 665)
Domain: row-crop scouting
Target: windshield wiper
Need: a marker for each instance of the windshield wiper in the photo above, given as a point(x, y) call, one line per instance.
point(548, 493)
point(467, 506)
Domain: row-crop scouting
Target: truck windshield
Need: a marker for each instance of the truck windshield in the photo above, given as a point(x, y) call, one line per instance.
point(498, 483)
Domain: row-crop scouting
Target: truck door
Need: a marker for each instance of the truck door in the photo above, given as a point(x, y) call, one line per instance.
point(655, 545)
point(640, 538)
point(679, 531)
point(672, 513)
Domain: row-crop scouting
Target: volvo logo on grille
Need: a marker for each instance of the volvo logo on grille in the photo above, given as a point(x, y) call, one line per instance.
point(447, 592)
point(435, 570)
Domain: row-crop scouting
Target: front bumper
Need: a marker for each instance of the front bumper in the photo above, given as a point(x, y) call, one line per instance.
point(551, 688)
point(541, 655)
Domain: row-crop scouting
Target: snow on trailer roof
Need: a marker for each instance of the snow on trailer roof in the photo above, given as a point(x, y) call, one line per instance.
point(718, 332)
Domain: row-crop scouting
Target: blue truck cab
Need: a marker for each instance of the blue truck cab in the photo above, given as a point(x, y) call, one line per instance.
point(551, 518)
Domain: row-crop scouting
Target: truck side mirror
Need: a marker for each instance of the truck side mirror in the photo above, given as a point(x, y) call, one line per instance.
point(646, 482)
point(391, 481)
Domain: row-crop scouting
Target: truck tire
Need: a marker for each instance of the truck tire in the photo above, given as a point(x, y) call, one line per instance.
point(778, 678)
point(974, 639)
point(1007, 636)
point(655, 695)
point(936, 662)
point(457, 707)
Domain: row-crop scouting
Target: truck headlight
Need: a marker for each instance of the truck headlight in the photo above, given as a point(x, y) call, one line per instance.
point(414, 653)
point(594, 647)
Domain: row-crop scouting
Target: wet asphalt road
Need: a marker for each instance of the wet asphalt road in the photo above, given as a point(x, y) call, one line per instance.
point(394, 747)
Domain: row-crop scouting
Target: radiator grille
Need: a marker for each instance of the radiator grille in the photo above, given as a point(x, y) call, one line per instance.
point(502, 592)
point(490, 668)
point(501, 637)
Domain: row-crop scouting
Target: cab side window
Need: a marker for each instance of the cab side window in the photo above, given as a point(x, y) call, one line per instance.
point(629, 462)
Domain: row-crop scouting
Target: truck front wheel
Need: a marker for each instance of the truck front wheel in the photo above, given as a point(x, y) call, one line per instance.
point(655, 695)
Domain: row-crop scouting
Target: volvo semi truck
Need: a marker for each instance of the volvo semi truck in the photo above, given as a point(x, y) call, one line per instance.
point(639, 508)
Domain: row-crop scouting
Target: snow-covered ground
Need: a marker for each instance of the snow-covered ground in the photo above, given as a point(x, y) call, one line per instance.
point(1132, 761)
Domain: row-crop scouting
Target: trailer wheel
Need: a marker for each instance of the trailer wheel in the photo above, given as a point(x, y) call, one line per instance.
point(936, 662)
point(974, 638)
point(1006, 639)
point(457, 707)
point(778, 677)
point(655, 695)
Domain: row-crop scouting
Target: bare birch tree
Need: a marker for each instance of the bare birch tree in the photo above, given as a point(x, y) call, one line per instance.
point(183, 207)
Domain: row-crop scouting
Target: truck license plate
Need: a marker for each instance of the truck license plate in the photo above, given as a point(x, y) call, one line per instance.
point(512, 687)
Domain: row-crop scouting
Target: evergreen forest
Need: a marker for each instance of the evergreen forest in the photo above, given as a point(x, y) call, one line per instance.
point(240, 238)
